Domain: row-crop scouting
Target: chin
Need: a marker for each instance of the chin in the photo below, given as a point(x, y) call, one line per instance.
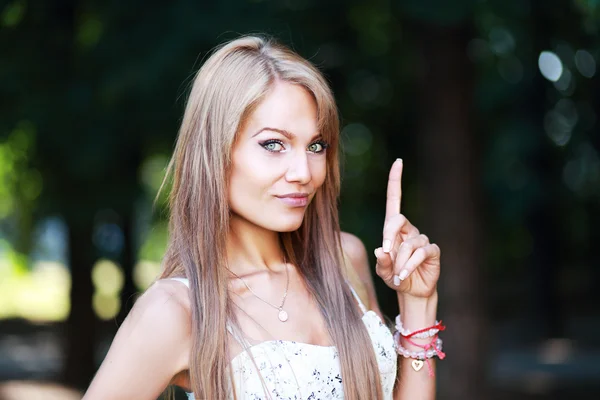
point(287, 224)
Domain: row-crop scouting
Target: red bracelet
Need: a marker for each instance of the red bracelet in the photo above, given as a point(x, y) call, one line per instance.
point(434, 348)
point(439, 326)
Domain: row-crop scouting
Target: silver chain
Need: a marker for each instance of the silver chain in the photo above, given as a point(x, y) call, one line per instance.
point(287, 284)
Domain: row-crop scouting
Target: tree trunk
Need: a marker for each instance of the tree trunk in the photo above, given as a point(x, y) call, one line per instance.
point(80, 335)
point(450, 195)
point(75, 200)
point(128, 262)
point(544, 260)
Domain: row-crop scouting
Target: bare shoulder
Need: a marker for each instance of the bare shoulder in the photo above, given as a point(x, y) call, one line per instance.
point(353, 247)
point(164, 301)
point(359, 271)
point(150, 348)
point(162, 317)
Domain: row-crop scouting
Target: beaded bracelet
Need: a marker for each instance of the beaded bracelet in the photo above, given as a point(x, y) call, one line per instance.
point(419, 355)
point(428, 332)
point(434, 348)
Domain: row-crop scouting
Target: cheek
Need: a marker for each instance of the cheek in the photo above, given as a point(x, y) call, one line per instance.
point(319, 172)
point(244, 182)
point(249, 182)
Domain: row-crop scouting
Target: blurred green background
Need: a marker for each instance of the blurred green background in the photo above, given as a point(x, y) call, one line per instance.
point(492, 104)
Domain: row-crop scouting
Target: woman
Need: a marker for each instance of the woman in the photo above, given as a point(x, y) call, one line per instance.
point(258, 297)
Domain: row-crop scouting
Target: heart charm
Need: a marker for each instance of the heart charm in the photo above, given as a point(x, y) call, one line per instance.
point(417, 365)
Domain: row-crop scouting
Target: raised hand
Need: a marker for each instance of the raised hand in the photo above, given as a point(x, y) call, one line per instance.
point(407, 262)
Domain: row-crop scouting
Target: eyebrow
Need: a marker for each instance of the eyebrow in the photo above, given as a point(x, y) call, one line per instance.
point(283, 132)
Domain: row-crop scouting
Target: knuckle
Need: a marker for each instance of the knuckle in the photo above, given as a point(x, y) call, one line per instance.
point(401, 219)
point(424, 238)
point(405, 219)
point(394, 223)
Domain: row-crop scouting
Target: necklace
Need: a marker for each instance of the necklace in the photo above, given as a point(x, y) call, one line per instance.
point(283, 316)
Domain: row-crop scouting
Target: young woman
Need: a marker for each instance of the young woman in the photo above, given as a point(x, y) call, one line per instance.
point(259, 294)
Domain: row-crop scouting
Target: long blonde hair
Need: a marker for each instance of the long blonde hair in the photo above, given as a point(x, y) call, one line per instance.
point(226, 90)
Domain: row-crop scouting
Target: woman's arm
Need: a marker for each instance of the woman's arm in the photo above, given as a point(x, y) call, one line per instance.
point(150, 348)
point(416, 313)
point(408, 263)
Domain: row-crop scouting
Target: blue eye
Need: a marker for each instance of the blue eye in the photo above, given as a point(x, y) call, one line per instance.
point(272, 146)
point(317, 147)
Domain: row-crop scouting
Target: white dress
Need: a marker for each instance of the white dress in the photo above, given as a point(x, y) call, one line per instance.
point(294, 370)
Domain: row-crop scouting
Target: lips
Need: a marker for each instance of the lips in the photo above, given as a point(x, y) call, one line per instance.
point(294, 199)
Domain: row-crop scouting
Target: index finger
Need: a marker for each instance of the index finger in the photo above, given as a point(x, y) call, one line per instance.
point(394, 189)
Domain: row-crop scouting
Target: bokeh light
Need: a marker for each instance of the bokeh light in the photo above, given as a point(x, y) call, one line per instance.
point(502, 41)
point(560, 121)
point(152, 171)
point(108, 281)
point(566, 83)
point(106, 307)
point(40, 295)
point(581, 173)
point(107, 277)
point(13, 13)
point(144, 273)
point(585, 63)
point(550, 66)
point(19, 390)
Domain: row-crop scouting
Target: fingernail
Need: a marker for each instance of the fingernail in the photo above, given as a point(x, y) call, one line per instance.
point(387, 245)
point(399, 159)
point(403, 274)
point(376, 252)
point(396, 280)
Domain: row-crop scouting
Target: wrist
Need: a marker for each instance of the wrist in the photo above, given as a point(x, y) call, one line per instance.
point(417, 321)
point(418, 312)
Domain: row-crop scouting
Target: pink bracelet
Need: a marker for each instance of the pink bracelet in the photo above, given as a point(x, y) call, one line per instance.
point(419, 355)
point(434, 348)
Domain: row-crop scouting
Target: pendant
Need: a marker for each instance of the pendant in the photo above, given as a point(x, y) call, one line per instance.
point(283, 316)
point(417, 365)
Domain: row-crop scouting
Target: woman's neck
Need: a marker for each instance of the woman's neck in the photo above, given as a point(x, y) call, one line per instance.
point(251, 248)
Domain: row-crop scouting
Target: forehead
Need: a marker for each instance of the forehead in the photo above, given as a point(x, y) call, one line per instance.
point(288, 107)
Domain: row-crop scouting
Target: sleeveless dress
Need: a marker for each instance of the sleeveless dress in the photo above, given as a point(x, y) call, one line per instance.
point(294, 370)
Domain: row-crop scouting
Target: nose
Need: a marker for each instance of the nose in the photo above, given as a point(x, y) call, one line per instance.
point(299, 169)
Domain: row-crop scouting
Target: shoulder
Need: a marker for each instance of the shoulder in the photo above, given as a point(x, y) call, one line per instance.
point(160, 320)
point(150, 348)
point(165, 302)
point(358, 269)
point(354, 248)
point(164, 293)
point(165, 310)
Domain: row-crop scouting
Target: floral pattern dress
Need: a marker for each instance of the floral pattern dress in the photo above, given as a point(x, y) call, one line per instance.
point(294, 371)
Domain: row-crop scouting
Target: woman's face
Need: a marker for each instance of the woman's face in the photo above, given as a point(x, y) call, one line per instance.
point(278, 161)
